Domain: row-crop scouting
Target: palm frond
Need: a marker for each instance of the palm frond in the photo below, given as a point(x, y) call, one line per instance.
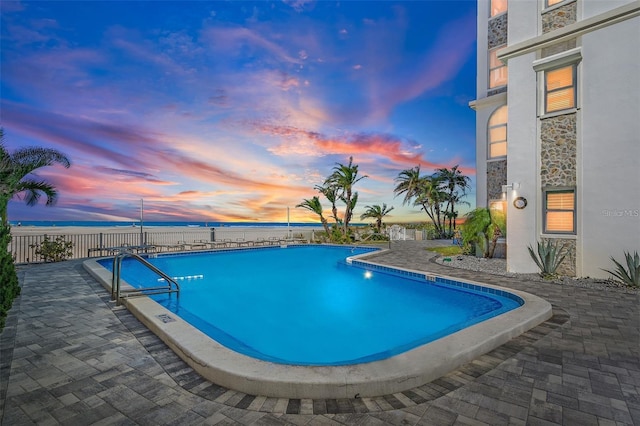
point(34, 189)
point(32, 158)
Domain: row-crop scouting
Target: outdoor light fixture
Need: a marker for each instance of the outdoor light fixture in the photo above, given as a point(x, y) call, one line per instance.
point(518, 202)
point(512, 186)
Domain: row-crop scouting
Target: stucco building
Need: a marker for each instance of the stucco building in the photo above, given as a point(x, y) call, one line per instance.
point(558, 127)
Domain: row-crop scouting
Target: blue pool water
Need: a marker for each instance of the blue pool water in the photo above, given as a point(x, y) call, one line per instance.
point(305, 306)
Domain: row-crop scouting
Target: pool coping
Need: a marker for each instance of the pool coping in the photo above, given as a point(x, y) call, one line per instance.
point(401, 372)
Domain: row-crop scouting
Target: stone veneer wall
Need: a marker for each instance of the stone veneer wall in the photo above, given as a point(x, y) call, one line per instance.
point(496, 177)
point(558, 169)
point(558, 150)
point(497, 31)
point(560, 17)
point(568, 265)
point(558, 47)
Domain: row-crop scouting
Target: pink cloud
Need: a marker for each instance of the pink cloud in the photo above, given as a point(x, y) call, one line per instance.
point(171, 117)
point(299, 5)
point(148, 52)
point(400, 153)
point(78, 133)
point(232, 39)
point(61, 65)
point(452, 48)
point(210, 173)
point(24, 36)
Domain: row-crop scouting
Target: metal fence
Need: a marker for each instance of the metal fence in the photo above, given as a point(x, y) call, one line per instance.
point(23, 246)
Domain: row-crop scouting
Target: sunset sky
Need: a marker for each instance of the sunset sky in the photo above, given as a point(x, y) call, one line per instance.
point(234, 111)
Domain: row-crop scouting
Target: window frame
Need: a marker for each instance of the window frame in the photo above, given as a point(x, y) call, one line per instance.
point(545, 210)
point(573, 85)
point(506, 139)
point(571, 57)
point(548, 4)
point(490, 69)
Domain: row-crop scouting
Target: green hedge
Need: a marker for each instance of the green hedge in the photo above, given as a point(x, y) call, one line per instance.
point(9, 287)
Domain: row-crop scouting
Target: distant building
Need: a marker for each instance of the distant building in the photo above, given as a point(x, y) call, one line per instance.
point(558, 124)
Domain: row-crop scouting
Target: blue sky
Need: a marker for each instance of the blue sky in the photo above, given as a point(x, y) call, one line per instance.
point(234, 111)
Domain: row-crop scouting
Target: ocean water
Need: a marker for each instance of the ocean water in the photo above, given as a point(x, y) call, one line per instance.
point(151, 223)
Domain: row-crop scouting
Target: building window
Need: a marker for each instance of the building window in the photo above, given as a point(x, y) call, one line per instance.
point(498, 207)
point(497, 136)
point(498, 7)
point(497, 69)
point(498, 212)
point(560, 211)
point(553, 2)
point(560, 88)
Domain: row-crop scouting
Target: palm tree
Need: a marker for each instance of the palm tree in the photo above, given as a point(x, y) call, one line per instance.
point(344, 178)
point(15, 171)
point(352, 205)
point(431, 198)
point(315, 206)
point(452, 180)
point(408, 184)
point(482, 227)
point(376, 212)
point(331, 193)
point(456, 199)
point(423, 190)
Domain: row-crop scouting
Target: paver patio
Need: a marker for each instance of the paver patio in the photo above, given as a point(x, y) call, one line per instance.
point(69, 356)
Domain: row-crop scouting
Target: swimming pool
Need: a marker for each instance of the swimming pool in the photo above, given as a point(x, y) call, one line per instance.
point(311, 306)
point(394, 372)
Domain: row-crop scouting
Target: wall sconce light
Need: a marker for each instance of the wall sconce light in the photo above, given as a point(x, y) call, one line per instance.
point(512, 186)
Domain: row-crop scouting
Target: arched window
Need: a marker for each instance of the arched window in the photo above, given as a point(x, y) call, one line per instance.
point(497, 133)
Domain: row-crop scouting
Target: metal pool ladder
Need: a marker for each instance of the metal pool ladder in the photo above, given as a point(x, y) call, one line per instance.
point(117, 293)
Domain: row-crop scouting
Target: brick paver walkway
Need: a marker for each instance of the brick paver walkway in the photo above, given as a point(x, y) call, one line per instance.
point(69, 356)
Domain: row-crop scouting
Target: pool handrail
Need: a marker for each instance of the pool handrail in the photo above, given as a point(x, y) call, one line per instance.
point(117, 293)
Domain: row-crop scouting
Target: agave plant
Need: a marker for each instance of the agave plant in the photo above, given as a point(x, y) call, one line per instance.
point(548, 257)
point(630, 277)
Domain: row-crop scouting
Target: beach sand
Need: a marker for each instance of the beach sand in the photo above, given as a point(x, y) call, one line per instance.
point(79, 230)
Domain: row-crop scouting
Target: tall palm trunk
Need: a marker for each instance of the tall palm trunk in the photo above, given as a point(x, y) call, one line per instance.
point(325, 225)
point(347, 212)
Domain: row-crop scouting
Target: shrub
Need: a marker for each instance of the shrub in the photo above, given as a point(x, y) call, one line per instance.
point(9, 287)
point(482, 228)
point(549, 256)
point(372, 237)
point(320, 237)
point(468, 249)
point(631, 275)
point(54, 251)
